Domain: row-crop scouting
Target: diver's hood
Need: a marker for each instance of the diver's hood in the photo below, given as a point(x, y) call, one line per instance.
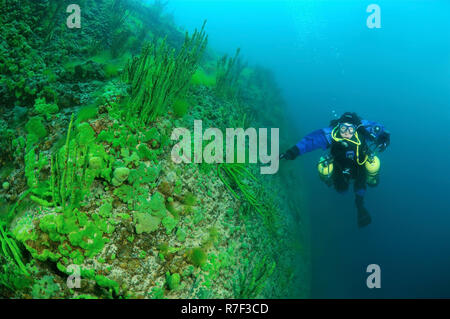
point(351, 118)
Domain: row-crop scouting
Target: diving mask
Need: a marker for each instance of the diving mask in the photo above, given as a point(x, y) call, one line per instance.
point(346, 127)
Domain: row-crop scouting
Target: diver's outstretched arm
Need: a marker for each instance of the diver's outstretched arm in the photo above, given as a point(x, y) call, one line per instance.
point(314, 140)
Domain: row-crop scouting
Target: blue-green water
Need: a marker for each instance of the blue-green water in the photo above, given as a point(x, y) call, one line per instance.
point(326, 58)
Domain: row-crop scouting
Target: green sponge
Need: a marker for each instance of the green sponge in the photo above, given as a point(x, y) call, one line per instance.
point(197, 256)
point(157, 205)
point(120, 175)
point(95, 163)
point(173, 281)
point(169, 223)
point(41, 107)
point(146, 223)
point(35, 127)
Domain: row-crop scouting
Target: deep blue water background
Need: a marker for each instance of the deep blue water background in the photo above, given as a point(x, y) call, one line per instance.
point(325, 58)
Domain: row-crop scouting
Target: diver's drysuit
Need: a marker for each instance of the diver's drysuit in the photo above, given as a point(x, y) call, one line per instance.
point(348, 156)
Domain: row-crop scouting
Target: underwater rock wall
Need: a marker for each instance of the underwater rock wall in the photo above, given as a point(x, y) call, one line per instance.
point(88, 183)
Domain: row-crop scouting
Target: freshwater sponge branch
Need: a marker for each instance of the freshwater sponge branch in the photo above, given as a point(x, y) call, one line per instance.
point(159, 75)
point(227, 76)
point(72, 169)
point(10, 250)
point(253, 277)
point(240, 176)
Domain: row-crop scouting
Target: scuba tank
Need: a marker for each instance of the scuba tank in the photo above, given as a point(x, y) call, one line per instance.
point(372, 166)
point(325, 168)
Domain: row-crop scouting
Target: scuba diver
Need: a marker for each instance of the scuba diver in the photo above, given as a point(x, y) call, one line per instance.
point(353, 143)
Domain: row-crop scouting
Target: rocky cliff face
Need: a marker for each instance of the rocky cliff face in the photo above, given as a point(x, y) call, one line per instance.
point(89, 191)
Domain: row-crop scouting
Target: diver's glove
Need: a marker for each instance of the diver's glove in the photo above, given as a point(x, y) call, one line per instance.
point(364, 218)
point(383, 141)
point(291, 153)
